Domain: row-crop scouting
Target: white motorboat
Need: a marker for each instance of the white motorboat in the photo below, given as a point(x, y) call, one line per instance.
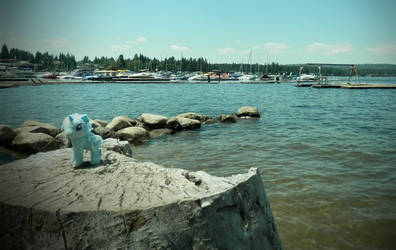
point(307, 78)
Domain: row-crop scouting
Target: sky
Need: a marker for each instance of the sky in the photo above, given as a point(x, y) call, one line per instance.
point(287, 32)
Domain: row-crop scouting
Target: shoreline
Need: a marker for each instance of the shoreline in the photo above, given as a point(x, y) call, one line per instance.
point(38, 82)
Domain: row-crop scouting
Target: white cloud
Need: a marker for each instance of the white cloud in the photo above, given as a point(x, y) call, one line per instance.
point(17, 40)
point(58, 42)
point(384, 49)
point(230, 51)
point(137, 40)
point(328, 49)
point(179, 48)
point(141, 39)
point(273, 48)
point(116, 47)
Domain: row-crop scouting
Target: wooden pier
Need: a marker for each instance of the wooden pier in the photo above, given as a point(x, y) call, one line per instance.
point(355, 86)
point(368, 86)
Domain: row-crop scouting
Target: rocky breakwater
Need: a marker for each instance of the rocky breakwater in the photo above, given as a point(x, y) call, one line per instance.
point(125, 204)
point(34, 136)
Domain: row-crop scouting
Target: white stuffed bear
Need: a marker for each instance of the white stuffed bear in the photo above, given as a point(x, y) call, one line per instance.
point(78, 129)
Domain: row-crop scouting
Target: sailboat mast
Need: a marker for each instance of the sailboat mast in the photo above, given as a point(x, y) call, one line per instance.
point(249, 61)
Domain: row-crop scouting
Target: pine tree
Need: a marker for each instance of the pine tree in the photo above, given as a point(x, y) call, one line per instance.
point(4, 52)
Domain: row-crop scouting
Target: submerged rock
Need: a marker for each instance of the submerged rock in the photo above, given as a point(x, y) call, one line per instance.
point(124, 204)
point(211, 121)
point(7, 135)
point(180, 123)
point(120, 122)
point(153, 121)
point(160, 132)
point(247, 111)
point(41, 127)
point(227, 118)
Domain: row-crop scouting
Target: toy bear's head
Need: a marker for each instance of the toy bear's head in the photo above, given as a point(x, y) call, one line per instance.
point(76, 126)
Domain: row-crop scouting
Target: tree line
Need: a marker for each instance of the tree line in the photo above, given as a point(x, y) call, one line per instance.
point(45, 61)
point(67, 62)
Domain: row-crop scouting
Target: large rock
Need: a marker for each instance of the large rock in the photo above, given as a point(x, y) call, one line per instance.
point(195, 116)
point(104, 132)
point(122, 147)
point(95, 124)
point(120, 122)
point(41, 127)
point(180, 123)
point(134, 135)
point(153, 121)
point(247, 111)
point(7, 135)
point(124, 204)
point(60, 141)
point(100, 122)
point(32, 142)
point(45, 128)
point(31, 129)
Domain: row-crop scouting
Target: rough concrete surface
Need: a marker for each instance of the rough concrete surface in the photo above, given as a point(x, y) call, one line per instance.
point(125, 204)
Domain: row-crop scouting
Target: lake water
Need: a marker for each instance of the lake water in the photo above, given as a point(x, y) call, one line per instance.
point(327, 156)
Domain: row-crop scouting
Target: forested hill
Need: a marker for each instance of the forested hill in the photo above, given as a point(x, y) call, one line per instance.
point(67, 62)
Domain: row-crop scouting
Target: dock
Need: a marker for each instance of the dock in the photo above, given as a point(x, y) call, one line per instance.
point(355, 86)
point(368, 86)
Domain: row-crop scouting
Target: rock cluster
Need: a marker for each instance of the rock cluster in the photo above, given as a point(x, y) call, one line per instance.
point(33, 136)
point(125, 204)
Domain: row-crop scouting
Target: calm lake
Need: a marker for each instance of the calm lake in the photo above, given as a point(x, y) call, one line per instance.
point(327, 156)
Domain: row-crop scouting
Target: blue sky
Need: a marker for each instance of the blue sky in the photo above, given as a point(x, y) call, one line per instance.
point(303, 31)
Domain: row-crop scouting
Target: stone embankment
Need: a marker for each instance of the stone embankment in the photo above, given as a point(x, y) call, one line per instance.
point(33, 136)
point(125, 204)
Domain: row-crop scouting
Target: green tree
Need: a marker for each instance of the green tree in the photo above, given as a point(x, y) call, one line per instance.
point(121, 62)
point(4, 52)
point(86, 60)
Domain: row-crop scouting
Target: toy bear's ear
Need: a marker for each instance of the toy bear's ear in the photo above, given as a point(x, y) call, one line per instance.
point(71, 118)
point(85, 118)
